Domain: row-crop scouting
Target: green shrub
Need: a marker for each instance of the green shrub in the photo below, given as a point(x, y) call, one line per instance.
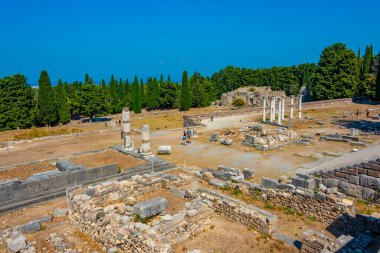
point(239, 102)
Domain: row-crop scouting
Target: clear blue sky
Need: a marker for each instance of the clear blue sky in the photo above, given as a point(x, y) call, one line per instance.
point(70, 38)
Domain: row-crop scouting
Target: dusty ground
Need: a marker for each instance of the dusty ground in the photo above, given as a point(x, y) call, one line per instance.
point(88, 160)
point(231, 237)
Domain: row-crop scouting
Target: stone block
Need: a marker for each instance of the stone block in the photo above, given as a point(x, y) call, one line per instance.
point(342, 175)
point(310, 184)
point(298, 182)
point(330, 182)
point(353, 180)
point(350, 189)
point(150, 207)
point(166, 150)
point(373, 173)
point(320, 195)
point(362, 171)
point(269, 183)
point(368, 193)
point(15, 241)
point(370, 182)
point(63, 164)
point(248, 173)
point(286, 187)
point(217, 183)
point(304, 176)
point(249, 138)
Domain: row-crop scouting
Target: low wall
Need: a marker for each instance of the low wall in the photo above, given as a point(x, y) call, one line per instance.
point(358, 180)
point(241, 212)
point(195, 120)
point(20, 190)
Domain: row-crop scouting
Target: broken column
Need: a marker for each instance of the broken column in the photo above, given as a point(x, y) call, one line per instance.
point(291, 106)
point(126, 130)
point(300, 106)
point(279, 111)
point(145, 140)
point(283, 108)
point(264, 105)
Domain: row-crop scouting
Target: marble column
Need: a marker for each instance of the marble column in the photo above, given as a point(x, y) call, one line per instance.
point(264, 105)
point(279, 113)
point(271, 109)
point(291, 106)
point(300, 107)
point(145, 140)
point(283, 108)
point(126, 129)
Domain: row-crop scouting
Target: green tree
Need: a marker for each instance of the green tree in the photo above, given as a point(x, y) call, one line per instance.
point(337, 75)
point(239, 102)
point(142, 91)
point(62, 103)
point(378, 82)
point(47, 109)
point(16, 103)
point(168, 97)
point(136, 96)
point(185, 99)
point(91, 99)
point(153, 94)
point(114, 99)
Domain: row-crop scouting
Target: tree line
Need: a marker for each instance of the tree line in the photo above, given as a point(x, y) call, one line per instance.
point(339, 73)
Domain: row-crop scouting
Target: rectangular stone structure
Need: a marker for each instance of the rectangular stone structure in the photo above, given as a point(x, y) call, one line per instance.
point(150, 207)
point(164, 149)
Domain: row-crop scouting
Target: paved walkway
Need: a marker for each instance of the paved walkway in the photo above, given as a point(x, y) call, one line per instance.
point(371, 153)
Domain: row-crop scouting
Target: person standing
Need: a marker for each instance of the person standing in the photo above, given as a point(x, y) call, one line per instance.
point(184, 138)
point(188, 135)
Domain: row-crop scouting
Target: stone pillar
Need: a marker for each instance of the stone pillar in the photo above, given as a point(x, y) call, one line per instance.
point(283, 108)
point(300, 107)
point(291, 106)
point(126, 130)
point(279, 114)
point(145, 140)
point(271, 109)
point(264, 105)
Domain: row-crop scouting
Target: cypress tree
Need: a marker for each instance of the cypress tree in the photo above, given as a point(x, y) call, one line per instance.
point(86, 79)
point(113, 95)
point(47, 109)
point(142, 94)
point(378, 83)
point(121, 91)
point(185, 99)
point(367, 61)
point(62, 104)
point(136, 96)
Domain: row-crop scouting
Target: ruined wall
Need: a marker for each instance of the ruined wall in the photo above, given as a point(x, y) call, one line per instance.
point(105, 212)
point(195, 120)
point(241, 212)
point(326, 208)
point(359, 180)
point(19, 190)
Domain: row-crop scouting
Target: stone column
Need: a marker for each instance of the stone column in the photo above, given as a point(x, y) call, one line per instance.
point(271, 109)
point(264, 105)
point(300, 107)
point(126, 130)
point(145, 140)
point(283, 108)
point(279, 115)
point(291, 106)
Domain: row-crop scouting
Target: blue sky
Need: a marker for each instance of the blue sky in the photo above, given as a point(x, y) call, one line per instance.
point(147, 38)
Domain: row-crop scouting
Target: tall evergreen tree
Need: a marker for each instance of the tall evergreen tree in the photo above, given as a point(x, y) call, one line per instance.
point(142, 93)
point(62, 103)
point(185, 99)
point(367, 61)
point(16, 103)
point(121, 92)
point(114, 96)
point(378, 83)
point(152, 94)
point(136, 96)
point(47, 109)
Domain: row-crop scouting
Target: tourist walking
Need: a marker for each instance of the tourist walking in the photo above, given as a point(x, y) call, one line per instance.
point(188, 135)
point(184, 138)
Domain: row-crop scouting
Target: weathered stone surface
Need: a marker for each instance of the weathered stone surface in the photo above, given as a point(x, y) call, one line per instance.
point(217, 183)
point(248, 173)
point(60, 212)
point(354, 180)
point(310, 184)
point(63, 164)
point(150, 207)
point(330, 182)
point(15, 241)
point(370, 182)
point(373, 173)
point(214, 137)
point(164, 150)
point(287, 187)
point(350, 189)
point(298, 182)
point(207, 176)
point(269, 183)
point(283, 179)
point(368, 194)
point(227, 142)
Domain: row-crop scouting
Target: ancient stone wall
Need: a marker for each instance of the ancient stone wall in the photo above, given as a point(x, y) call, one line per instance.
point(105, 212)
point(358, 180)
point(326, 208)
point(195, 120)
point(241, 212)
